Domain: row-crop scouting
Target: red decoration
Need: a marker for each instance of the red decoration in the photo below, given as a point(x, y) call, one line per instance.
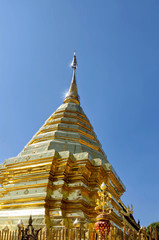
point(103, 225)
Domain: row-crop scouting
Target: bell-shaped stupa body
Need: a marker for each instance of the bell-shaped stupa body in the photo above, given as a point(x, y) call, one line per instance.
point(58, 173)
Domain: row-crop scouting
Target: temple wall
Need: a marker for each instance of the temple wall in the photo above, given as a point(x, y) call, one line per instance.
point(56, 188)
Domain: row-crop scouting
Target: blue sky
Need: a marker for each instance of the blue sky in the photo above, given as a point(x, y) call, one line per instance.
point(117, 45)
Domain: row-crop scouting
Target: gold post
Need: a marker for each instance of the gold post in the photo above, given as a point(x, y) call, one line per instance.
point(145, 235)
point(156, 237)
point(150, 233)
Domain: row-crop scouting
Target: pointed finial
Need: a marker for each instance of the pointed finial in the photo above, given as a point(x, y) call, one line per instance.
point(20, 223)
point(74, 61)
point(131, 209)
point(103, 186)
point(72, 95)
point(76, 221)
point(30, 220)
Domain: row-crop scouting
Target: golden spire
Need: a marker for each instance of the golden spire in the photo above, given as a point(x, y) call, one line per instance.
point(72, 95)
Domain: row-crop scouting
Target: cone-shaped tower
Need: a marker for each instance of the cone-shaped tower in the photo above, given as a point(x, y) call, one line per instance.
point(68, 128)
point(57, 175)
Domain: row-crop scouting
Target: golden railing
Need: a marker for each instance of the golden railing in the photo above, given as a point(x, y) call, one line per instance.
point(62, 233)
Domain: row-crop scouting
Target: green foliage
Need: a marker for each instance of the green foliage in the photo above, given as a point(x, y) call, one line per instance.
point(153, 225)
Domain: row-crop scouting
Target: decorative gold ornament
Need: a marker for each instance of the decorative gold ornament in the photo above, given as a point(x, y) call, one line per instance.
point(102, 225)
point(104, 200)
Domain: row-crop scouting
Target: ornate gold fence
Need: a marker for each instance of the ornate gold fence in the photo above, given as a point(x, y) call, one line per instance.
point(61, 233)
point(65, 234)
point(8, 235)
point(53, 234)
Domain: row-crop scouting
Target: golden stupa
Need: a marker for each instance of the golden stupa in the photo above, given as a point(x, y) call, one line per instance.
point(57, 175)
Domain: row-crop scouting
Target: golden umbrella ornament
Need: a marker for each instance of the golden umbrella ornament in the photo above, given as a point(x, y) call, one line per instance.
point(102, 225)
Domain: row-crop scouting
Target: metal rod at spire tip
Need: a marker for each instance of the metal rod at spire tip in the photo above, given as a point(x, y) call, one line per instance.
point(74, 61)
